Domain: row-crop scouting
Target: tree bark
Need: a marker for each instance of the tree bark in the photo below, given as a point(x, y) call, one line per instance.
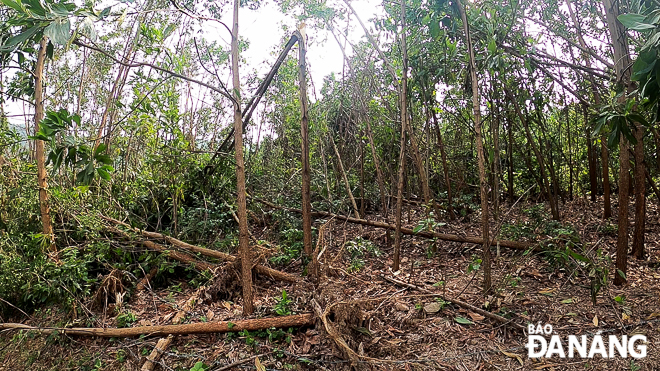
point(42, 182)
point(298, 320)
point(243, 235)
point(155, 355)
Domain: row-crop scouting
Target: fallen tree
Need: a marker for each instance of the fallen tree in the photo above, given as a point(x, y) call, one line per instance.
point(298, 320)
point(180, 257)
point(427, 234)
point(272, 273)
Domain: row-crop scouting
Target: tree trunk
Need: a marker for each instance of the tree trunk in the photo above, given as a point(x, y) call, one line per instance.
point(304, 134)
point(298, 320)
point(243, 235)
point(495, 128)
point(512, 194)
point(476, 107)
point(591, 159)
point(403, 87)
point(640, 194)
point(42, 182)
point(622, 62)
point(604, 158)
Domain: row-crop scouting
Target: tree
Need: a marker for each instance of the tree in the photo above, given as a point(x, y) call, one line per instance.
point(622, 61)
point(244, 236)
point(483, 185)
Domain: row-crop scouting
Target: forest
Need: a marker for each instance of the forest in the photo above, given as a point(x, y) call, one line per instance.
point(329, 184)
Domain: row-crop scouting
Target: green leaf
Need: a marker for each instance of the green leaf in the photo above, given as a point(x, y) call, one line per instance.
point(103, 174)
point(58, 31)
point(635, 22)
point(20, 38)
point(100, 148)
point(14, 5)
point(567, 301)
point(418, 228)
point(463, 321)
point(492, 46)
point(620, 272)
point(105, 12)
point(104, 159)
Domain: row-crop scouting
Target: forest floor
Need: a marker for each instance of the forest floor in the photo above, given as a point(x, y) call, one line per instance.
point(390, 327)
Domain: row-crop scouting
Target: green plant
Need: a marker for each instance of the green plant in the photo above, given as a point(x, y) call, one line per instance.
point(283, 305)
point(126, 319)
point(634, 366)
point(121, 355)
point(475, 265)
point(249, 338)
point(428, 224)
point(291, 246)
point(358, 249)
point(200, 366)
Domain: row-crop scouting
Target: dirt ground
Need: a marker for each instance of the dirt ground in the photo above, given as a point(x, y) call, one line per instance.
point(387, 326)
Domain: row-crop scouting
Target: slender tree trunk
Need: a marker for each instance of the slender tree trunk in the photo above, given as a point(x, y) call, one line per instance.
point(640, 194)
point(243, 236)
point(304, 134)
point(591, 160)
point(496, 159)
point(607, 199)
point(476, 107)
point(362, 195)
point(622, 62)
point(44, 206)
point(570, 152)
point(403, 87)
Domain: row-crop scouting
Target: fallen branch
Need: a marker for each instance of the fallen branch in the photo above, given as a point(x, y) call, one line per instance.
point(183, 258)
point(155, 355)
point(272, 273)
point(144, 282)
point(299, 320)
point(460, 303)
point(442, 236)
